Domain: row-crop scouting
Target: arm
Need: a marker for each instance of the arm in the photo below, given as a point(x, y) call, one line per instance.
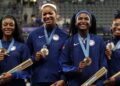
point(35, 56)
point(25, 54)
point(30, 46)
point(66, 59)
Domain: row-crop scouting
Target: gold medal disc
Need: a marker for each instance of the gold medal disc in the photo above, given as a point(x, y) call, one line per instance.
point(45, 51)
point(87, 61)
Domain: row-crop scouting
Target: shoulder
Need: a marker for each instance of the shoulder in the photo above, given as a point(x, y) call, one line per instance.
point(37, 31)
point(97, 37)
point(61, 32)
point(71, 39)
point(20, 44)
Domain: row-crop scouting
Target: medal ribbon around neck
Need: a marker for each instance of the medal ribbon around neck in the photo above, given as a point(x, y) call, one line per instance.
point(49, 39)
point(10, 45)
point(85, 51)
point(117, 45)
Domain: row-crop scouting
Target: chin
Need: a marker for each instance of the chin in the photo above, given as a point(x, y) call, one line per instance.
point(8, 34)
point(48, 23)
point(82, 29)
point(118, 35)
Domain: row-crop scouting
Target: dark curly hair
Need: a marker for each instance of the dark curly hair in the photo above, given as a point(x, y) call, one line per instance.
point(117, 14)
point(17, 34)
point(74, 29)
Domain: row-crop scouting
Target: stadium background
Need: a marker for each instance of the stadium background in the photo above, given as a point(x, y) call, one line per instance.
point(28, 16)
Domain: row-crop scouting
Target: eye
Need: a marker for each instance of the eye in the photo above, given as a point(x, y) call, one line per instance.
point(5, 24)
point(44, 14)
point(117, 24)
point(11, 24)
point(50, 13)
point(80, 18)
point(86, 18)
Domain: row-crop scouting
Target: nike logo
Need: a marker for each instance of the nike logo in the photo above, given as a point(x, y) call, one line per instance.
point(40, 36)
point(75, 44)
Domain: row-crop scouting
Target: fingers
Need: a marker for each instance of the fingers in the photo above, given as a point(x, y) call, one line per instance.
point(92, 85)
point(39, 55)
point(54, 84)
point(110, 82)
point(59, 83)
point(82, 65)
point(108, 53)
point(2, 55)
point(6, 75)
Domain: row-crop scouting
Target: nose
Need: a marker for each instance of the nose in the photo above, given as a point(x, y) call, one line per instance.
point(47, 15)
point(83, 20)
point(118, 26)
point(8, 26)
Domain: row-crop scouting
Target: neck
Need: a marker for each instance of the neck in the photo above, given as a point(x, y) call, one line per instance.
point(7, 38)
point(50, 28)
point(83, 33)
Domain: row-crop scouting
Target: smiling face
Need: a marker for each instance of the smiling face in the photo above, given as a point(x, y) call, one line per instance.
point(8, 26)
point(83, 21)
point(49, 16)
point(116, 27)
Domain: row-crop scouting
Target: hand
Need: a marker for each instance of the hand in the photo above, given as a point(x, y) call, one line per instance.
point(92, 85)
point(2, 56)
point(39, 56)
point(5, 77)
point(110, 82)
point(59, 83)
point(108, 53)
point(82, 65)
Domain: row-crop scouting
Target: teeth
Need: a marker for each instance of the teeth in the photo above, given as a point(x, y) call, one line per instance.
point(117, 31)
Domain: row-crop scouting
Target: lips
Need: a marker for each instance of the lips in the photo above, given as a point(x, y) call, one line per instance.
point(82, 26)
point(82, 23)
point(48, 21)
point(117, 30)
point(8, 31)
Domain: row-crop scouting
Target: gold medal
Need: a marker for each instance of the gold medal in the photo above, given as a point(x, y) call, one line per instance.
point(45, 51)
point(87, 61)
point(3, 50)
point(110, 46)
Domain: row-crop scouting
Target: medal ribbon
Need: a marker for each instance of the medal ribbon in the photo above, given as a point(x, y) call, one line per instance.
point(85, 51)
point(48, 39)
point(10, 45)
point(117, 45)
